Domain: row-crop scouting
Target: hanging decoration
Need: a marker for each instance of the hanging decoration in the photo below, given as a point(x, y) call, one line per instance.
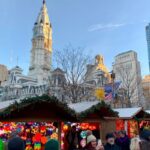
point(100, 93)
point(83, 134)
point(34, 134)
point(83, 143)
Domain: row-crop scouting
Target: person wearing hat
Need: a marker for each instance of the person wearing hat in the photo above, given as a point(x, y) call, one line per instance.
point(52, 145)
point(110, 145)
point(92, 143)
point(16, 144)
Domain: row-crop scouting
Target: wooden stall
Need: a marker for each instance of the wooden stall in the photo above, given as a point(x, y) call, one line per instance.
point(131, 120)
point(99, 113)
point(98, 116)
point(39, 109)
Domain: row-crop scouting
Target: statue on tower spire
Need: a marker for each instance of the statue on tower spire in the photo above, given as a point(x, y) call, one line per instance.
point(44, 2)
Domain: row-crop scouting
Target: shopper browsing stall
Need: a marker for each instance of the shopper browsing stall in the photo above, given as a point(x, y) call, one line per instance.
point(110, 145)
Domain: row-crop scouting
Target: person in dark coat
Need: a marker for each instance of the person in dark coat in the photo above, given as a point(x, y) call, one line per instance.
point(16, 144)
point(145, 140)
point(72, 138)
point(110, 145)
point(123, 141)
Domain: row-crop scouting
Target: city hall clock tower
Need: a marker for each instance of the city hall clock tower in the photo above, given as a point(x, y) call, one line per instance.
point(41, 52)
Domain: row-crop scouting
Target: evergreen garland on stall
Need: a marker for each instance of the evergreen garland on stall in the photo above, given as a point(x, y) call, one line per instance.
point(17, 106)
point(100, 110)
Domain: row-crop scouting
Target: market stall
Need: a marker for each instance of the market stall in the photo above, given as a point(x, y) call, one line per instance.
point(132, 120)
point(41, 118)
point(36, 120)
point(95, 116)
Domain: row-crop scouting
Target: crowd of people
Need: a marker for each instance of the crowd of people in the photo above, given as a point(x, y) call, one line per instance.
point(17, 143)
point(114, 141)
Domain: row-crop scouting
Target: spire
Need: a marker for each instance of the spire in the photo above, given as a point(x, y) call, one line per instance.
point(43, 15)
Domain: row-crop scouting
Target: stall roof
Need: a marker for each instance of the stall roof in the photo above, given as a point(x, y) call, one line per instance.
point(31, 108)
point(148, 111)
point(128, 113)
point(5, 104)
point(82, 106)
point(78, 107)
point(124, 113)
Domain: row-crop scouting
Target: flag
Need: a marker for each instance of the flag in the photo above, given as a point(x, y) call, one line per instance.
point(108, 96)
point(110, 90)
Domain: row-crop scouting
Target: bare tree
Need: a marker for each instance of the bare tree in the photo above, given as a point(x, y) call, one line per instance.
point(73, 62)
point(131, 84)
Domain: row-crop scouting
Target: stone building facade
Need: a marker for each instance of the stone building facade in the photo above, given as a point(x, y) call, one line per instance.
point(41, 52)
point(43, 80)
point(3, 74)
point(146, 90)
point(97, 74)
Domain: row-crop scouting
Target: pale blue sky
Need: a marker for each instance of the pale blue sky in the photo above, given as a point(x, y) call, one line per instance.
point(105, 27)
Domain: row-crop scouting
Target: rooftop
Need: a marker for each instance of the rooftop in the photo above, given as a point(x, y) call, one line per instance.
point(130, 51)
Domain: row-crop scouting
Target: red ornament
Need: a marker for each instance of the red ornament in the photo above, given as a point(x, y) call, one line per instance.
point(43, 140)
point(38, 137)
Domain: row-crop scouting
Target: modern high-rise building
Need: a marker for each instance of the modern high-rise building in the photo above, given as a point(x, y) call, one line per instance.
point(41, 52)
point(127, 70)
point(148, 42)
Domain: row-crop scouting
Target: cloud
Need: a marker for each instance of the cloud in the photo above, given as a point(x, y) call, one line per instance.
point(104, 26)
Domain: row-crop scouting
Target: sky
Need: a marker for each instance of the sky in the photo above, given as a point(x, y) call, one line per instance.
point(106, 27)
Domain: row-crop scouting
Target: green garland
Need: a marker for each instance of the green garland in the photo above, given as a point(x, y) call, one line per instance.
point(101, 110)
point(34, 100)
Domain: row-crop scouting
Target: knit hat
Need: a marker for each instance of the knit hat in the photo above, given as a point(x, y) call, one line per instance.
point(109, 135)
point(90, 138)
point(16, 144)
point(88, 132)
point(52, 145)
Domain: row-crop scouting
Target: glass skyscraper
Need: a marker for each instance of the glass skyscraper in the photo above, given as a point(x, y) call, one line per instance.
point(148, 42)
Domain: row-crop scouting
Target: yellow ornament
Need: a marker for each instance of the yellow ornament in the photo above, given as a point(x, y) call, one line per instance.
point(100, 93)
point(54, 136)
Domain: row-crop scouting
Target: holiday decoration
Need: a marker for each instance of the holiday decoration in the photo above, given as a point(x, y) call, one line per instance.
point(43, 140)
point(83, 142)
point(37, 146)
point(36, 100)
point(84, 126)
point(100, 93)
point(100, 110)
point(83, 134)
point(34, 134)
point(54, 136)
point(65, 127)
